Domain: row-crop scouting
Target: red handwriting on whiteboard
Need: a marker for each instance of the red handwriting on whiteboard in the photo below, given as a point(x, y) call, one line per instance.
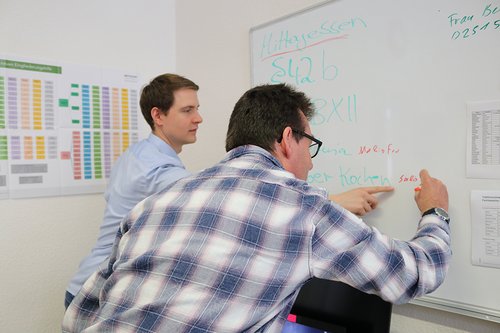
point(376, 149)
point(408, 179)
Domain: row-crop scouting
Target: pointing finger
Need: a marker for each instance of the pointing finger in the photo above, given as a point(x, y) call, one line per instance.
point(424, 176)
point(378, 189)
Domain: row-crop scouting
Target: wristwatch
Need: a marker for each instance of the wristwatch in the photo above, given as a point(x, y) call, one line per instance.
point(440, 212)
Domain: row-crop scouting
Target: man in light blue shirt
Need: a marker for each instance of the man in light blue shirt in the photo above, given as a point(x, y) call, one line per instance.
point(169, 104)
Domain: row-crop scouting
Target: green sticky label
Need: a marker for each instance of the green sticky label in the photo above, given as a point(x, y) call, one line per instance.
point(63, 103)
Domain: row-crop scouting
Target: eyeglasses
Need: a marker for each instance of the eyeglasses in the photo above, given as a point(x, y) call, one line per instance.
point(314, 146)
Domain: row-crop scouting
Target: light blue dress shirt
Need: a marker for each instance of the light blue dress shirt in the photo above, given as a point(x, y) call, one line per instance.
point(144, 169)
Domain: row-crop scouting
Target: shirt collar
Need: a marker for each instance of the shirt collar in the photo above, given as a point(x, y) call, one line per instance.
point(256, 152)
point(161, 145)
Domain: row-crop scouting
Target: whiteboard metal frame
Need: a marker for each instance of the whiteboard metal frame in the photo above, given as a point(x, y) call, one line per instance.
point(458, 307)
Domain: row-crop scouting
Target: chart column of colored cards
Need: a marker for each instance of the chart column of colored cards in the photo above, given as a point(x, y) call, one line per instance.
point(3, 140)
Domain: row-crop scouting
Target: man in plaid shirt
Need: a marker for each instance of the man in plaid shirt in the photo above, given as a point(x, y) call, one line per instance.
point(228, 249)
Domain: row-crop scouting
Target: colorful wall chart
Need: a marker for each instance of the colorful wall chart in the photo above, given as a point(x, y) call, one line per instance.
point(62, 126)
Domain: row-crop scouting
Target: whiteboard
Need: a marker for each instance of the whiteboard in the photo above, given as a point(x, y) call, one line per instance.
point(391, 81)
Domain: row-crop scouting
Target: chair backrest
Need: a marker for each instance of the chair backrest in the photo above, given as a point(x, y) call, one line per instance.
point(335, 306)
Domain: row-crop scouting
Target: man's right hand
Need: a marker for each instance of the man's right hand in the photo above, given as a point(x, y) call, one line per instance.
point(432, 193)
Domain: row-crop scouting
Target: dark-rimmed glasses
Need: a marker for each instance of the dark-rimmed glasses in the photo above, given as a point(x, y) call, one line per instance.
point(314, 146)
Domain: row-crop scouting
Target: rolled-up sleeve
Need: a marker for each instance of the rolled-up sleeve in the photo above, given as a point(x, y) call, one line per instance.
point(344, 248)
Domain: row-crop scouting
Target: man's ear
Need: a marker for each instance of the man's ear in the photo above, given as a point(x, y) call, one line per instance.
point(156, 115)
point(284, 145)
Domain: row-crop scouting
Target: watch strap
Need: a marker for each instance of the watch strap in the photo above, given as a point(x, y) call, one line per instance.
point(439, 212)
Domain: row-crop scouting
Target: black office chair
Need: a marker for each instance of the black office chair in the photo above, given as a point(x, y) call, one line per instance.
point(336, 307)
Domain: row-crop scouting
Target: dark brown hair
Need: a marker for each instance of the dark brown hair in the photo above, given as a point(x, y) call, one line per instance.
point(160, 93)
point(262, 113)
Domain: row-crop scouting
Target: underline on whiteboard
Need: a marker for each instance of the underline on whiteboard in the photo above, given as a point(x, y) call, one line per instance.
point(308, 46)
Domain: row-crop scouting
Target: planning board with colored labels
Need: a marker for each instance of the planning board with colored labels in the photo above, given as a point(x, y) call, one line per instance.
point(62, 125)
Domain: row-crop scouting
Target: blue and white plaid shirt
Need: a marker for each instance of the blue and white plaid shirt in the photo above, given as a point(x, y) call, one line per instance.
point(227, 250)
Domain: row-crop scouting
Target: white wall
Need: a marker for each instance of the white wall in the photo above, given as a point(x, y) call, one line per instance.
point(42, 240)
point(213, 50)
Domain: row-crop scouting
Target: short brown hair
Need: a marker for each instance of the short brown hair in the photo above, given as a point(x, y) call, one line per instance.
point(160, 93)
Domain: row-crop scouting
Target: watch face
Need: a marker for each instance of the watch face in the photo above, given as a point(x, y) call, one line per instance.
point(442, 213)
point(439, 212)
